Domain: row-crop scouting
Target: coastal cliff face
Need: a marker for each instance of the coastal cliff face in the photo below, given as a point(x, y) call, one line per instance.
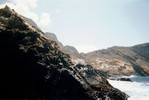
point(33, 67)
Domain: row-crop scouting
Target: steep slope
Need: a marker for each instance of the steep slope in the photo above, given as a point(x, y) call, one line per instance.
point(33, 67)
point(72, 51)
point(142, 50)
point(53, 37)
point(121, 60)
point(31, 22)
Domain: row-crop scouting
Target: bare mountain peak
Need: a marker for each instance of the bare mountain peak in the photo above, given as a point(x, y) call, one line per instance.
point(7, 12)
point(7, 8)
point(11, 18)
point(16, 21)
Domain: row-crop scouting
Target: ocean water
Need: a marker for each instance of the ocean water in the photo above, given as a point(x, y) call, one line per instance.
point(137, 90)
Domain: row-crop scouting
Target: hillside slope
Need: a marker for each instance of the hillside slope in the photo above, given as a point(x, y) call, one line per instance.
point(72, 51)
point(121, 60)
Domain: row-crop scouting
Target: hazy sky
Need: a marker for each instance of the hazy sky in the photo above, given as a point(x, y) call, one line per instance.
point(89, 24)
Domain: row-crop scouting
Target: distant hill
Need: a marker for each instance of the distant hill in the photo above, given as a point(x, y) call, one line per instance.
point(72, 51)
point(142, 50)
point(53, 37)
point(115, 60)
point(121, 60)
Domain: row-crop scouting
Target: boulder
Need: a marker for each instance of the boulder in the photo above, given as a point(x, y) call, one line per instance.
point(124, 79)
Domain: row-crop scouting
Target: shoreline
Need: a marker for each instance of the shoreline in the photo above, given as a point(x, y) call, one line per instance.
point(137, 90)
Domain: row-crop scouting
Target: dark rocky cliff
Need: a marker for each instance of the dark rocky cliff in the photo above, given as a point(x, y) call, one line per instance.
point(32, 67)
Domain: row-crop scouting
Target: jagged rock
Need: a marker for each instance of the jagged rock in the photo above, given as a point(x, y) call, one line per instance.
point(32, 67)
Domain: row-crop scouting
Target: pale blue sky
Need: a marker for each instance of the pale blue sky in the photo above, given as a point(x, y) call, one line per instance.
point(96, 24)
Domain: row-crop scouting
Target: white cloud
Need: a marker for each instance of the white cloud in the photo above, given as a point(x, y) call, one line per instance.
point(45, 19)
point(26, 7)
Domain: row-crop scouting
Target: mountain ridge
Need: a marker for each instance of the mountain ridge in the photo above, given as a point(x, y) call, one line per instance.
point(120, 60)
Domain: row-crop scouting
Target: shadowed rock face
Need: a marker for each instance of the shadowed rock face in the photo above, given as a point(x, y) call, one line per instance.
point(32, 67)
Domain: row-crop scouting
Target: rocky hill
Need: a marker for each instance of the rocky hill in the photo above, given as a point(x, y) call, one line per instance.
point(32, 67)
point(53, 37)
point(121, 60)
point(142, 50)
point(31, 22)
point(72, 51)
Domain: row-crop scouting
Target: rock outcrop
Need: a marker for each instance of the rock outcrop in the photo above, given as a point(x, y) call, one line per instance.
point(32, 67)
point(124, 79)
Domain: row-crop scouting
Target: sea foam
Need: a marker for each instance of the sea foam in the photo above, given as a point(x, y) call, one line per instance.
point(137, 90)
